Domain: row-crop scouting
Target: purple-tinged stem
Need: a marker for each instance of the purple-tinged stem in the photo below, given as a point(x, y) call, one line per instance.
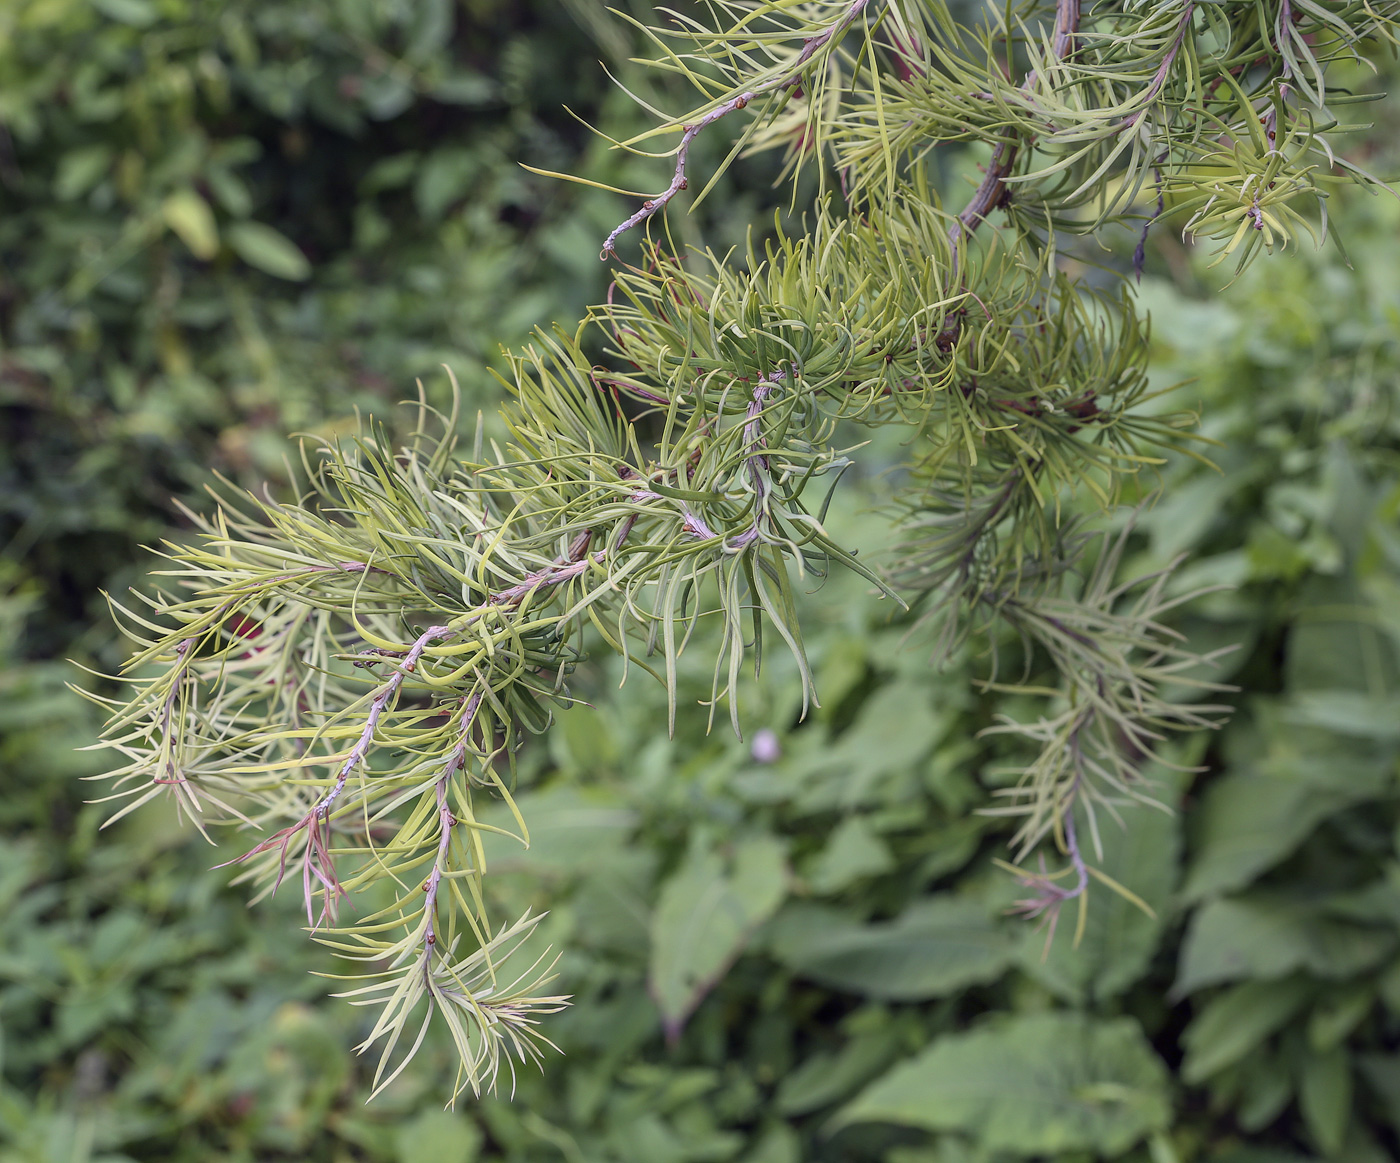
point(446, 822)
point(386, 694)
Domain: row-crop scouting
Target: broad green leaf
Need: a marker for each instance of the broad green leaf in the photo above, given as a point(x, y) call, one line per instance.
point(779, 1143)
point(465, 88)
point(894, 731)
point(269, 250)
point(445, 176)
point(853, 851)
point(1377, 903)
point(1324, 1096)
point(946, 1149)
point(1267, 1088)
point(385, 95)
point(784, 780)
point(1331, 649)
point(80, 169)
point(137, 13)
point(1233, 1024)
point(571, 831)
point(1349, 713)
point(937, 946)
point(706, 913)
point(189, 216)
point(439, 1135)
point(950, 846)
point(1338, 1013)
point(1247, 823)
point(1230, 940)
point(1035, 1084)
point(1119, 938)
point(20, 862)
point(1283, 779)
point(583, 741)
point(1388, 986)
point(391, 173)
point(612, 906)
point(429, 30)
point(844, 662)
point(826, 1078)
point(1181, 517)
point(1381, 1073)
point(230, 190)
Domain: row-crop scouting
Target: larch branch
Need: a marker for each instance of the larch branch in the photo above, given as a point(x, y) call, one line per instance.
point(679, 180)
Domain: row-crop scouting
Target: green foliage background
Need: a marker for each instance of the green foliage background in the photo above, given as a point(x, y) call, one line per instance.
point(223, 222)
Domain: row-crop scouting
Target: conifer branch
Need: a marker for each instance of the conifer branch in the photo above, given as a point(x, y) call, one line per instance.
point(349, 673)
point(446, 823)
point(679, 179)
point(1159, 78)
point(993, 191)
point(360, 751)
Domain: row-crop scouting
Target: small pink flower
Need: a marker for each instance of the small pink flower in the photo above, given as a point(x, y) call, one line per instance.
point(766, 748)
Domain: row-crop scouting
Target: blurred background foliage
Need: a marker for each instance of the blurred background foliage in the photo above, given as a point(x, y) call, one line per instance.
point(223, 222)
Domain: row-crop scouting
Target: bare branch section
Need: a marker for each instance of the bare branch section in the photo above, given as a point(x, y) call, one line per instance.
point(679, 180)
